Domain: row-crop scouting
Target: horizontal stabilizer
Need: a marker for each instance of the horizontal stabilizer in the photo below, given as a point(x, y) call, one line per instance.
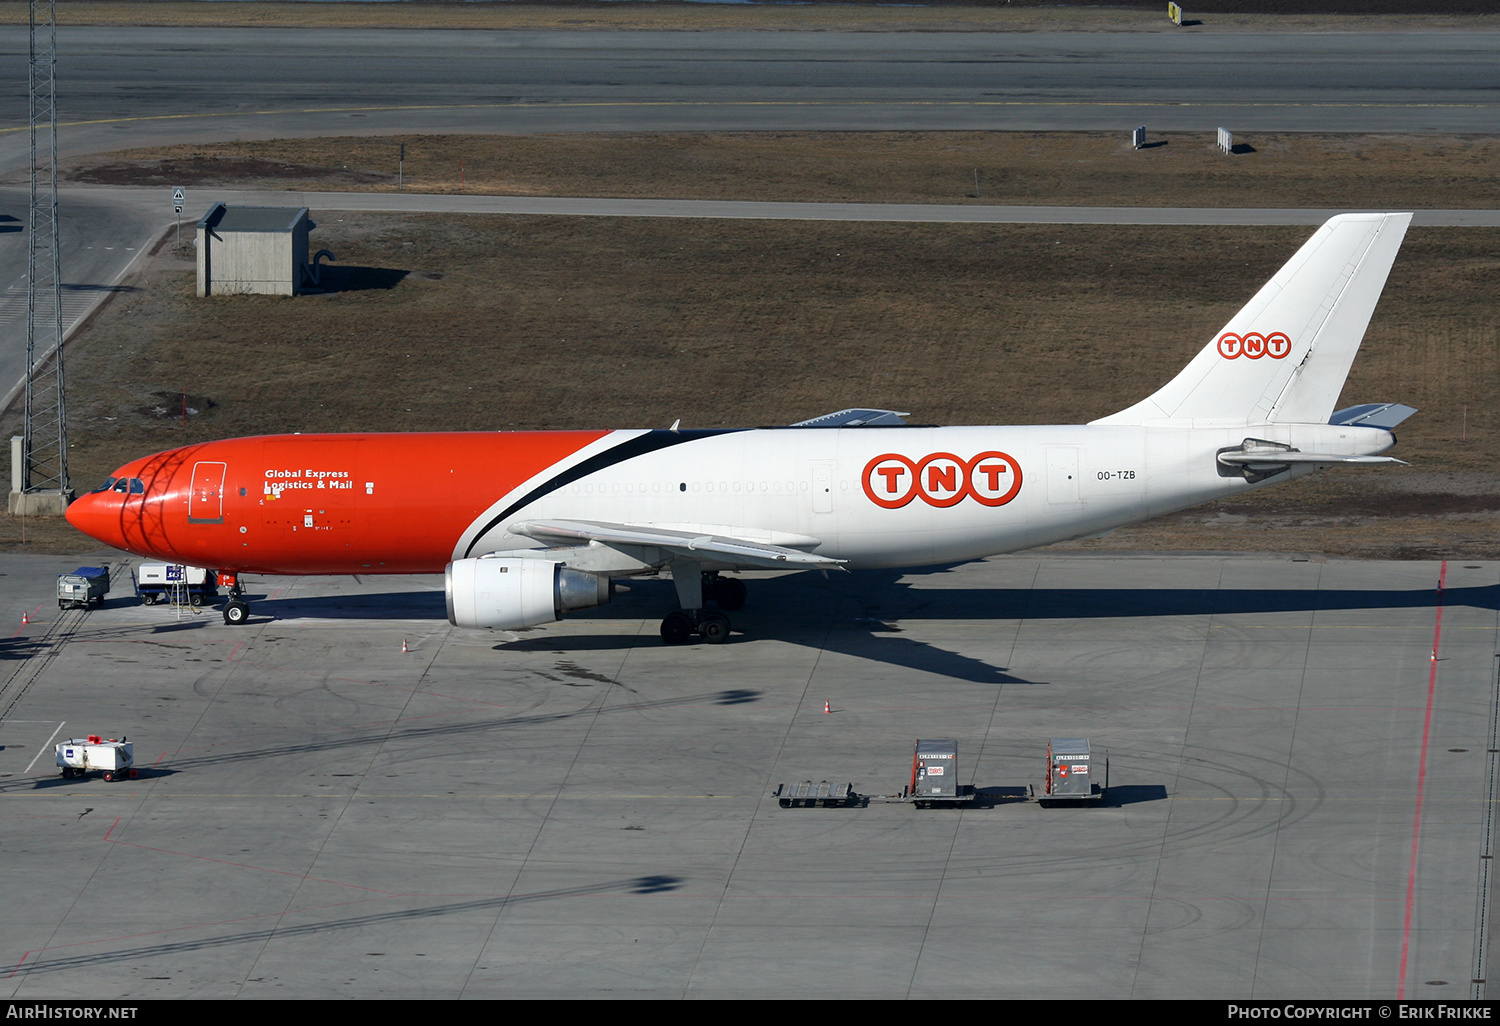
point(704, 548)
point(857, 418)
point(1282, 458)
point(1376, 415)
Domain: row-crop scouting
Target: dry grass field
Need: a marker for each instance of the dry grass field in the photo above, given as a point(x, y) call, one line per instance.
point(1084, 168)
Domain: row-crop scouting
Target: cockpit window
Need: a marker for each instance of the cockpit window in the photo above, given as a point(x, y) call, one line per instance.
point(137, 486)
point(122, 485)
point(109, 483)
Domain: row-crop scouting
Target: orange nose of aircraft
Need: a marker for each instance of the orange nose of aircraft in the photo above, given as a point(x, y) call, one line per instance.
point(98, 515)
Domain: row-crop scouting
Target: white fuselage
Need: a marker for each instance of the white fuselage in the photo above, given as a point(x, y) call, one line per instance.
point(828, 491)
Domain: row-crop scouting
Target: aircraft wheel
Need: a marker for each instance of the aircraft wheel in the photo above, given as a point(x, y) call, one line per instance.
point(714, 628)
point(236, 612)
point(676, 629)
point(730, 594)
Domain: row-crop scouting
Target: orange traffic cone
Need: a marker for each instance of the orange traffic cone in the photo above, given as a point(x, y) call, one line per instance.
point(827, 708)
point(24, 618)
point(403, 646)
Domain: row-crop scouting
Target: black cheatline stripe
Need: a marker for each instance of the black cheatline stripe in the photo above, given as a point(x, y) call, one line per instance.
point(652, 441)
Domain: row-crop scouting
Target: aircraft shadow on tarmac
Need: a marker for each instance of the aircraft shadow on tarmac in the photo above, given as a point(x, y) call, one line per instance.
point(860, 613)
point(489, 728)
point(133, 951)
point(20, 648)
point(10, 224)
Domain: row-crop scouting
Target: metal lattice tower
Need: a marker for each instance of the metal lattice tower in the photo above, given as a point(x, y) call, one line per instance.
point(45, 442)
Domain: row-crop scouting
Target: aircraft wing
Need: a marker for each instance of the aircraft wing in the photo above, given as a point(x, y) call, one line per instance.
point(702, 548)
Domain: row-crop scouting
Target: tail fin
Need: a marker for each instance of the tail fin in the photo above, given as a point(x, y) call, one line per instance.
point(1284, 357)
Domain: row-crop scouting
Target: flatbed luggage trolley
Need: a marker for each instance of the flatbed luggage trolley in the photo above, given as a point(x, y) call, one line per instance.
point(1070, 772)
point(115, 760)
point(934, 776)
point(809, 794)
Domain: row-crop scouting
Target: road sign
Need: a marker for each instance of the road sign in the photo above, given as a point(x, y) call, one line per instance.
point(179, 198)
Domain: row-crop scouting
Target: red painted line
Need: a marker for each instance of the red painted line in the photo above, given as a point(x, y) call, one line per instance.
point(1416, 825)
point(112, 828)
point(18, 964)
point(159, 758)
point(230, 657)
point(31, 614)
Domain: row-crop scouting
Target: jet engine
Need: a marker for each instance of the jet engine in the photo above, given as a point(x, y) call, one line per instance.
point(518, 592)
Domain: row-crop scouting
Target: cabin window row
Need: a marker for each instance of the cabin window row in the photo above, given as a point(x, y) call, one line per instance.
point(657, 487)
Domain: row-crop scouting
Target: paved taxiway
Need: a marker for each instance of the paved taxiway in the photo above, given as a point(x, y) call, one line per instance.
point(123, 86)
point(1299, 807)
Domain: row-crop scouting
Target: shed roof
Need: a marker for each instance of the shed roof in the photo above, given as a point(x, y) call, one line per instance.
point(223, 218)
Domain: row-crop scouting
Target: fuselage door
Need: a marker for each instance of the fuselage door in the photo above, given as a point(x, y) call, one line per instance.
point(1063, 492)
point(822, 487)
point(206, 501)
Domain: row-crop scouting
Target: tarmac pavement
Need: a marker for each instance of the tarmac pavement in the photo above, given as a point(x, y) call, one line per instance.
point(1297, 805)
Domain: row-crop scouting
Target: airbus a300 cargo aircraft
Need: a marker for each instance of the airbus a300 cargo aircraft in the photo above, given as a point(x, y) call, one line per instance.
point(531, 525)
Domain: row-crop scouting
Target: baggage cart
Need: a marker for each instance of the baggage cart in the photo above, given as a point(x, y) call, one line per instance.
point(82, 588)
point(1072, 775)
point(934, 776)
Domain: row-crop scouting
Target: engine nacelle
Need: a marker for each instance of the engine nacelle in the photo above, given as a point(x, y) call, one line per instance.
point(518, 592)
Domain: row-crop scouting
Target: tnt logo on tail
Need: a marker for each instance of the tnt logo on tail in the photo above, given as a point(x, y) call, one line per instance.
point(1253, 345)
point(942, 479)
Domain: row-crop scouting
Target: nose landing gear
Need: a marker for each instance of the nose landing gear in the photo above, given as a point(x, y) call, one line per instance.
point(236, 610)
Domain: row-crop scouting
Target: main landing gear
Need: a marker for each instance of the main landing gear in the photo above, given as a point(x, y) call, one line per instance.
point(236, 610)
point(693, 587)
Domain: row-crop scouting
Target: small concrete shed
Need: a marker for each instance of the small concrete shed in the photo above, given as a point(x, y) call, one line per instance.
point(253, 249)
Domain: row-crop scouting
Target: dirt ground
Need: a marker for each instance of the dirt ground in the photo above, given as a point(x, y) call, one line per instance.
point(474, 322)
point(997, 15)
point(1076, 168)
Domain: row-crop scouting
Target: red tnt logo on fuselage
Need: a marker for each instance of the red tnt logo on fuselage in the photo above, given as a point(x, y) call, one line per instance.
point(942, 479)
point(1253, 345)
